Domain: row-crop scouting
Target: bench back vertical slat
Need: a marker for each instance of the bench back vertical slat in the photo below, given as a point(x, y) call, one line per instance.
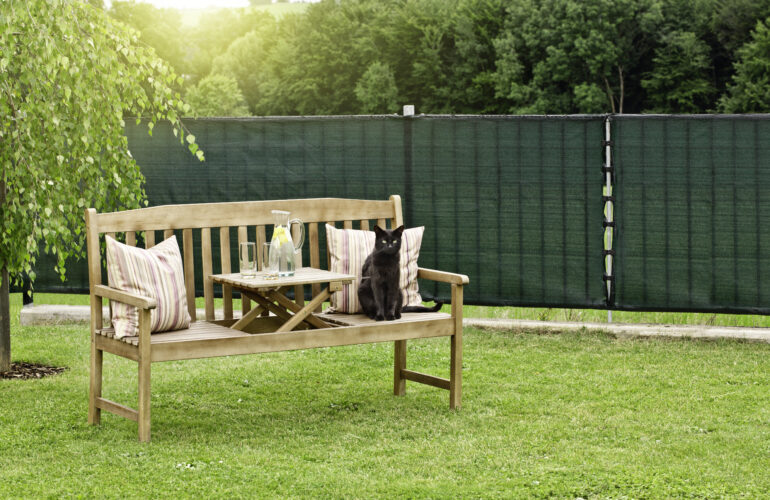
point(315, 257)
point(243, 236)
point(348, 224)
point(94, 267)
point(365, 225)
point(111, 235)
point(261, 239)
point(208, 285)
point(398, 218)
point(149, 239)
point(383, 223)
point(299, 290)
point(328, 255)
point(168, 233)
point(131, 238)
point(189, 271)
point(224, 250)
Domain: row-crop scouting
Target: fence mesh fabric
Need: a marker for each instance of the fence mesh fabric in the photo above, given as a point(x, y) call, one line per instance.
point(693, 213)
point(513, 202)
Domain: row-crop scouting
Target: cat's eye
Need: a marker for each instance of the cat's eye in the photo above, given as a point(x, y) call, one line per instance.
point(384, 242)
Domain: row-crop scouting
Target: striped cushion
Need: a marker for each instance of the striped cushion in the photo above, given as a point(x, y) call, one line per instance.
point(156, 273)
point(349, 248)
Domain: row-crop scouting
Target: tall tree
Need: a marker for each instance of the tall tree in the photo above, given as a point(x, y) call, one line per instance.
point(213, 34)
point(376, 90)
point(558, 56)
point(680, 78)
point(476, 24)
point(749, 91)
point(217, 95)
point(330, 51)
point(246, 59)
point(161, 29)
point(68, 76)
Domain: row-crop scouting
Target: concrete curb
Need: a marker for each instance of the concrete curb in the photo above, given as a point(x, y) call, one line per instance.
point(628, 330)
point(49, 314)
point(59, 314)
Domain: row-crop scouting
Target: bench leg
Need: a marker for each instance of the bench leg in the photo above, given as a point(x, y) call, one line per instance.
point(399, 363)
point(456, 350)
point(145, 363)
point(95, 385)
point(144, 401)
point(456, 371)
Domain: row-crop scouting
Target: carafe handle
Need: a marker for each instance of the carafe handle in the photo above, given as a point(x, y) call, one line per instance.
point(298, 246)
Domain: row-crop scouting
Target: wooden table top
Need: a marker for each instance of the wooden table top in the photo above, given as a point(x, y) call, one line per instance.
point(302, 276)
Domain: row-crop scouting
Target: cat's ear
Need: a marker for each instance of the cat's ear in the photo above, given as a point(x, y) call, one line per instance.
point(378, 231)
point(397, 232)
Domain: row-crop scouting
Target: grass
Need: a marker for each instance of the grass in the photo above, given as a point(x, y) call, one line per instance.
point(566, 416)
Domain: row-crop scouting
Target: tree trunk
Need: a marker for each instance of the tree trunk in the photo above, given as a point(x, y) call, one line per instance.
point(609, 94)
point(622, 90)
point(5, 302)
point(5, 322)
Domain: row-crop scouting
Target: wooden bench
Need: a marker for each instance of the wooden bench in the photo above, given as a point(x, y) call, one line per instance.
point(210, 337)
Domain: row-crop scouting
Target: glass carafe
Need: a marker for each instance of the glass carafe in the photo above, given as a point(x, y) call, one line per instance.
point(282, 249)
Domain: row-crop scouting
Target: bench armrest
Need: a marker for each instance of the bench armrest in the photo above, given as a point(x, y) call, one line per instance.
point(131, 299)
point(444, 277)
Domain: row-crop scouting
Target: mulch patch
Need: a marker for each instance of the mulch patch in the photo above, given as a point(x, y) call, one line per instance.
point(22, 370)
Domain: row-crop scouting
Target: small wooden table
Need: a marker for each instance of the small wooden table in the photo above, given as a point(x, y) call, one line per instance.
point(269, 296)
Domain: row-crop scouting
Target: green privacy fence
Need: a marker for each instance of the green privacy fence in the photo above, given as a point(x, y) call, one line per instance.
point(693, 213)
point(506, 200)
point(515, 202)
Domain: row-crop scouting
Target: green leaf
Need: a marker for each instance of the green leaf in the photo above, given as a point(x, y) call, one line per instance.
point(191, 139)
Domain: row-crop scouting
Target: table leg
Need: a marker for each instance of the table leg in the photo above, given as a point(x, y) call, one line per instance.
point(284, 301)
point(247, 318)
point(303, 313)
point(263, 302)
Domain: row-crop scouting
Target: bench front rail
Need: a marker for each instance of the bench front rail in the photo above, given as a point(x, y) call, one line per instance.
point(209, 337)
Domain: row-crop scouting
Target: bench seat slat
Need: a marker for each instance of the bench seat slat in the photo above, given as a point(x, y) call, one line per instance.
point(200, 330)
point(362, 319)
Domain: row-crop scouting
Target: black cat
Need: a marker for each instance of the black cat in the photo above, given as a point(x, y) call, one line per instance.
point(379, 292)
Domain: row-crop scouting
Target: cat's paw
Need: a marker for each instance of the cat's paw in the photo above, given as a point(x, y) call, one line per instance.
point(379, 317)
point(390, 317)
point(398, 315)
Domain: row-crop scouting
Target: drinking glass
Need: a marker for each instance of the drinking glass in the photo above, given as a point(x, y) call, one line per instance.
point(269, 262)
point(248, 258)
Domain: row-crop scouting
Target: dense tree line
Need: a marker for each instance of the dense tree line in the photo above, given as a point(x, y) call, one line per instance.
point(470, 56)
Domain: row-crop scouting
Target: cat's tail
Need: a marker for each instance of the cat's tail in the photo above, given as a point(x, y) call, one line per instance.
point(421, 309)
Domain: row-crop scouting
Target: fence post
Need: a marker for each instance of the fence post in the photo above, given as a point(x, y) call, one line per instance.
point(408, 192)
point(609, 216)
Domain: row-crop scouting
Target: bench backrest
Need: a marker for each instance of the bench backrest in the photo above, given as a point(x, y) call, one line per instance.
point(156, 223)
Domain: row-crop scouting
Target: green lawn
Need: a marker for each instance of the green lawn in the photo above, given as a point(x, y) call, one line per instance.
point(566, 416)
